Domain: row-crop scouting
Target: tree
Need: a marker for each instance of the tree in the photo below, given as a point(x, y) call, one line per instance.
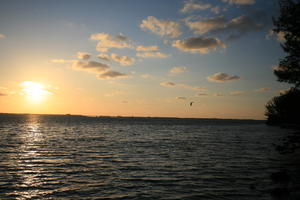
point(288, 24)
point(286, 107)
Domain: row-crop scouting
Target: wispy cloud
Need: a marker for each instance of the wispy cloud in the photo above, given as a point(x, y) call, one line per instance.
point(107, 41)
point(90, 66)
point(198, 44)
point(83, 55)
point(161, 27)
point(147, 48)
point(181, 98)
point(178, 70)
point(190, 6)
point(104, 56)
point(280, 35)
point(112, 74)
point(240, 2)
point(123, 60)
point(201, 94)
point(62, 61)
point(181, 85)
point(234, 28)
point(2, 36)
point(262, 90)
point(222, 77)
point(236, 93)
point(151, 54)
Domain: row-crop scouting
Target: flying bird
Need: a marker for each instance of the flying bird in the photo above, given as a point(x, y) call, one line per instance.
point(191, 103)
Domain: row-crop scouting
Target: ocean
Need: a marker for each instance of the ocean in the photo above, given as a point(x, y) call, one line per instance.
point(77, 157)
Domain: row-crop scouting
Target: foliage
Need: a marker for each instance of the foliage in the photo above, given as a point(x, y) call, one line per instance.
point(288, 24)
point(284, 108)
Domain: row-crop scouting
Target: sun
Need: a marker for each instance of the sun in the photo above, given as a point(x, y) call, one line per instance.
point(34, 92)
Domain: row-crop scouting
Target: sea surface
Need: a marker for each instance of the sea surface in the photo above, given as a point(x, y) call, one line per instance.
point(77, 157)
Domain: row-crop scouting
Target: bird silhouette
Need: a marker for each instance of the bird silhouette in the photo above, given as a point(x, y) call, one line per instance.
point(191, 103)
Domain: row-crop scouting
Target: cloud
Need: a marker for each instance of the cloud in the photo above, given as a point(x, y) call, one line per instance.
point(235, 28)
point(112, 74)
point(104, 56)
point(190, 6)
point(161, 27)
point(236, 93)
point(262, 90)
point(152, 55)
point(83, 55)
point(2, 94)
point(219, 95)
point(168, 84)
point(147, 48)
point(280, 35)
point(181, 85)
point(206, 25)
point(178, 70)
point(62, 61)
point(201, 94)
point(222, 77)
point(181, 98)
point(107, 41)
point(2, 36)
point(240, 2)
point(90, 66)
point(198, 44)
point(123, 60)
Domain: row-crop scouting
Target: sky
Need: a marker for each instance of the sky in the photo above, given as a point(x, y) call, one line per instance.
point(139, 58)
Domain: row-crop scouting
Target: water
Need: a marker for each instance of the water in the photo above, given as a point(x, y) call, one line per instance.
point(73, 157)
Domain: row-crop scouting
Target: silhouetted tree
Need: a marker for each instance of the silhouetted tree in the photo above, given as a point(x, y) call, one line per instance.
point(288, 24)
point(286, 107)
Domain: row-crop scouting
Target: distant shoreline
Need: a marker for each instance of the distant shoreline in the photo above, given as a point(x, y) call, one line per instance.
point(132, 117)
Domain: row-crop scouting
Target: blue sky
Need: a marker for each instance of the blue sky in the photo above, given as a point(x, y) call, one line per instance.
point(217, 53)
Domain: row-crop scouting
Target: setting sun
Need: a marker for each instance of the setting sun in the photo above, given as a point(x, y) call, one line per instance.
point(34, 92)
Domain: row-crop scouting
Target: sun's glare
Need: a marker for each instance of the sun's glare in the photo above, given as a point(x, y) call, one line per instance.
point(34, 92)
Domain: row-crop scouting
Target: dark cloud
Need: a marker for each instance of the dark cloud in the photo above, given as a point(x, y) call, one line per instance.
point(198, 44)
point(90, 66)
point(112, 74)
point(222, 77)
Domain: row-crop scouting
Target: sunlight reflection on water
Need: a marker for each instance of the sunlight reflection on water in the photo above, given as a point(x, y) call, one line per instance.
point(67, 158)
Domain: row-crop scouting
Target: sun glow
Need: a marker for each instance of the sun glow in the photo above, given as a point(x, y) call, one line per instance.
point(34, 92)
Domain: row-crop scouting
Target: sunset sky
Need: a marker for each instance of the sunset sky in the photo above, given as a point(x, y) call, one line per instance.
point(139, 58)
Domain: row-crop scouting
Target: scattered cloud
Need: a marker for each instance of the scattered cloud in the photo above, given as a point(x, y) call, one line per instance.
point(104, 56)
point(262, 90)
point(201, 94)
point(181, 98)
point(123, 60)
point(83, 55)
point(107, 41)
point(181, 85)
point(222, 77)
point(236, 93)
point(161, 27)
point(240, 2)
point(190, 6)
point(2, 36)
point(90, 66)
point(219, 95)
point(198, 44)
point(146, 76)
point(178, 70)
point(150, 54)
point(168, 84)
point(147, 48)
point(112, 74)
point(62, 61)
point(236, 27)
point(280, 35)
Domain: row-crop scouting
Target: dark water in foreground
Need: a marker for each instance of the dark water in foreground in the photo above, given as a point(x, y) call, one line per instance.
point(69, 157)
